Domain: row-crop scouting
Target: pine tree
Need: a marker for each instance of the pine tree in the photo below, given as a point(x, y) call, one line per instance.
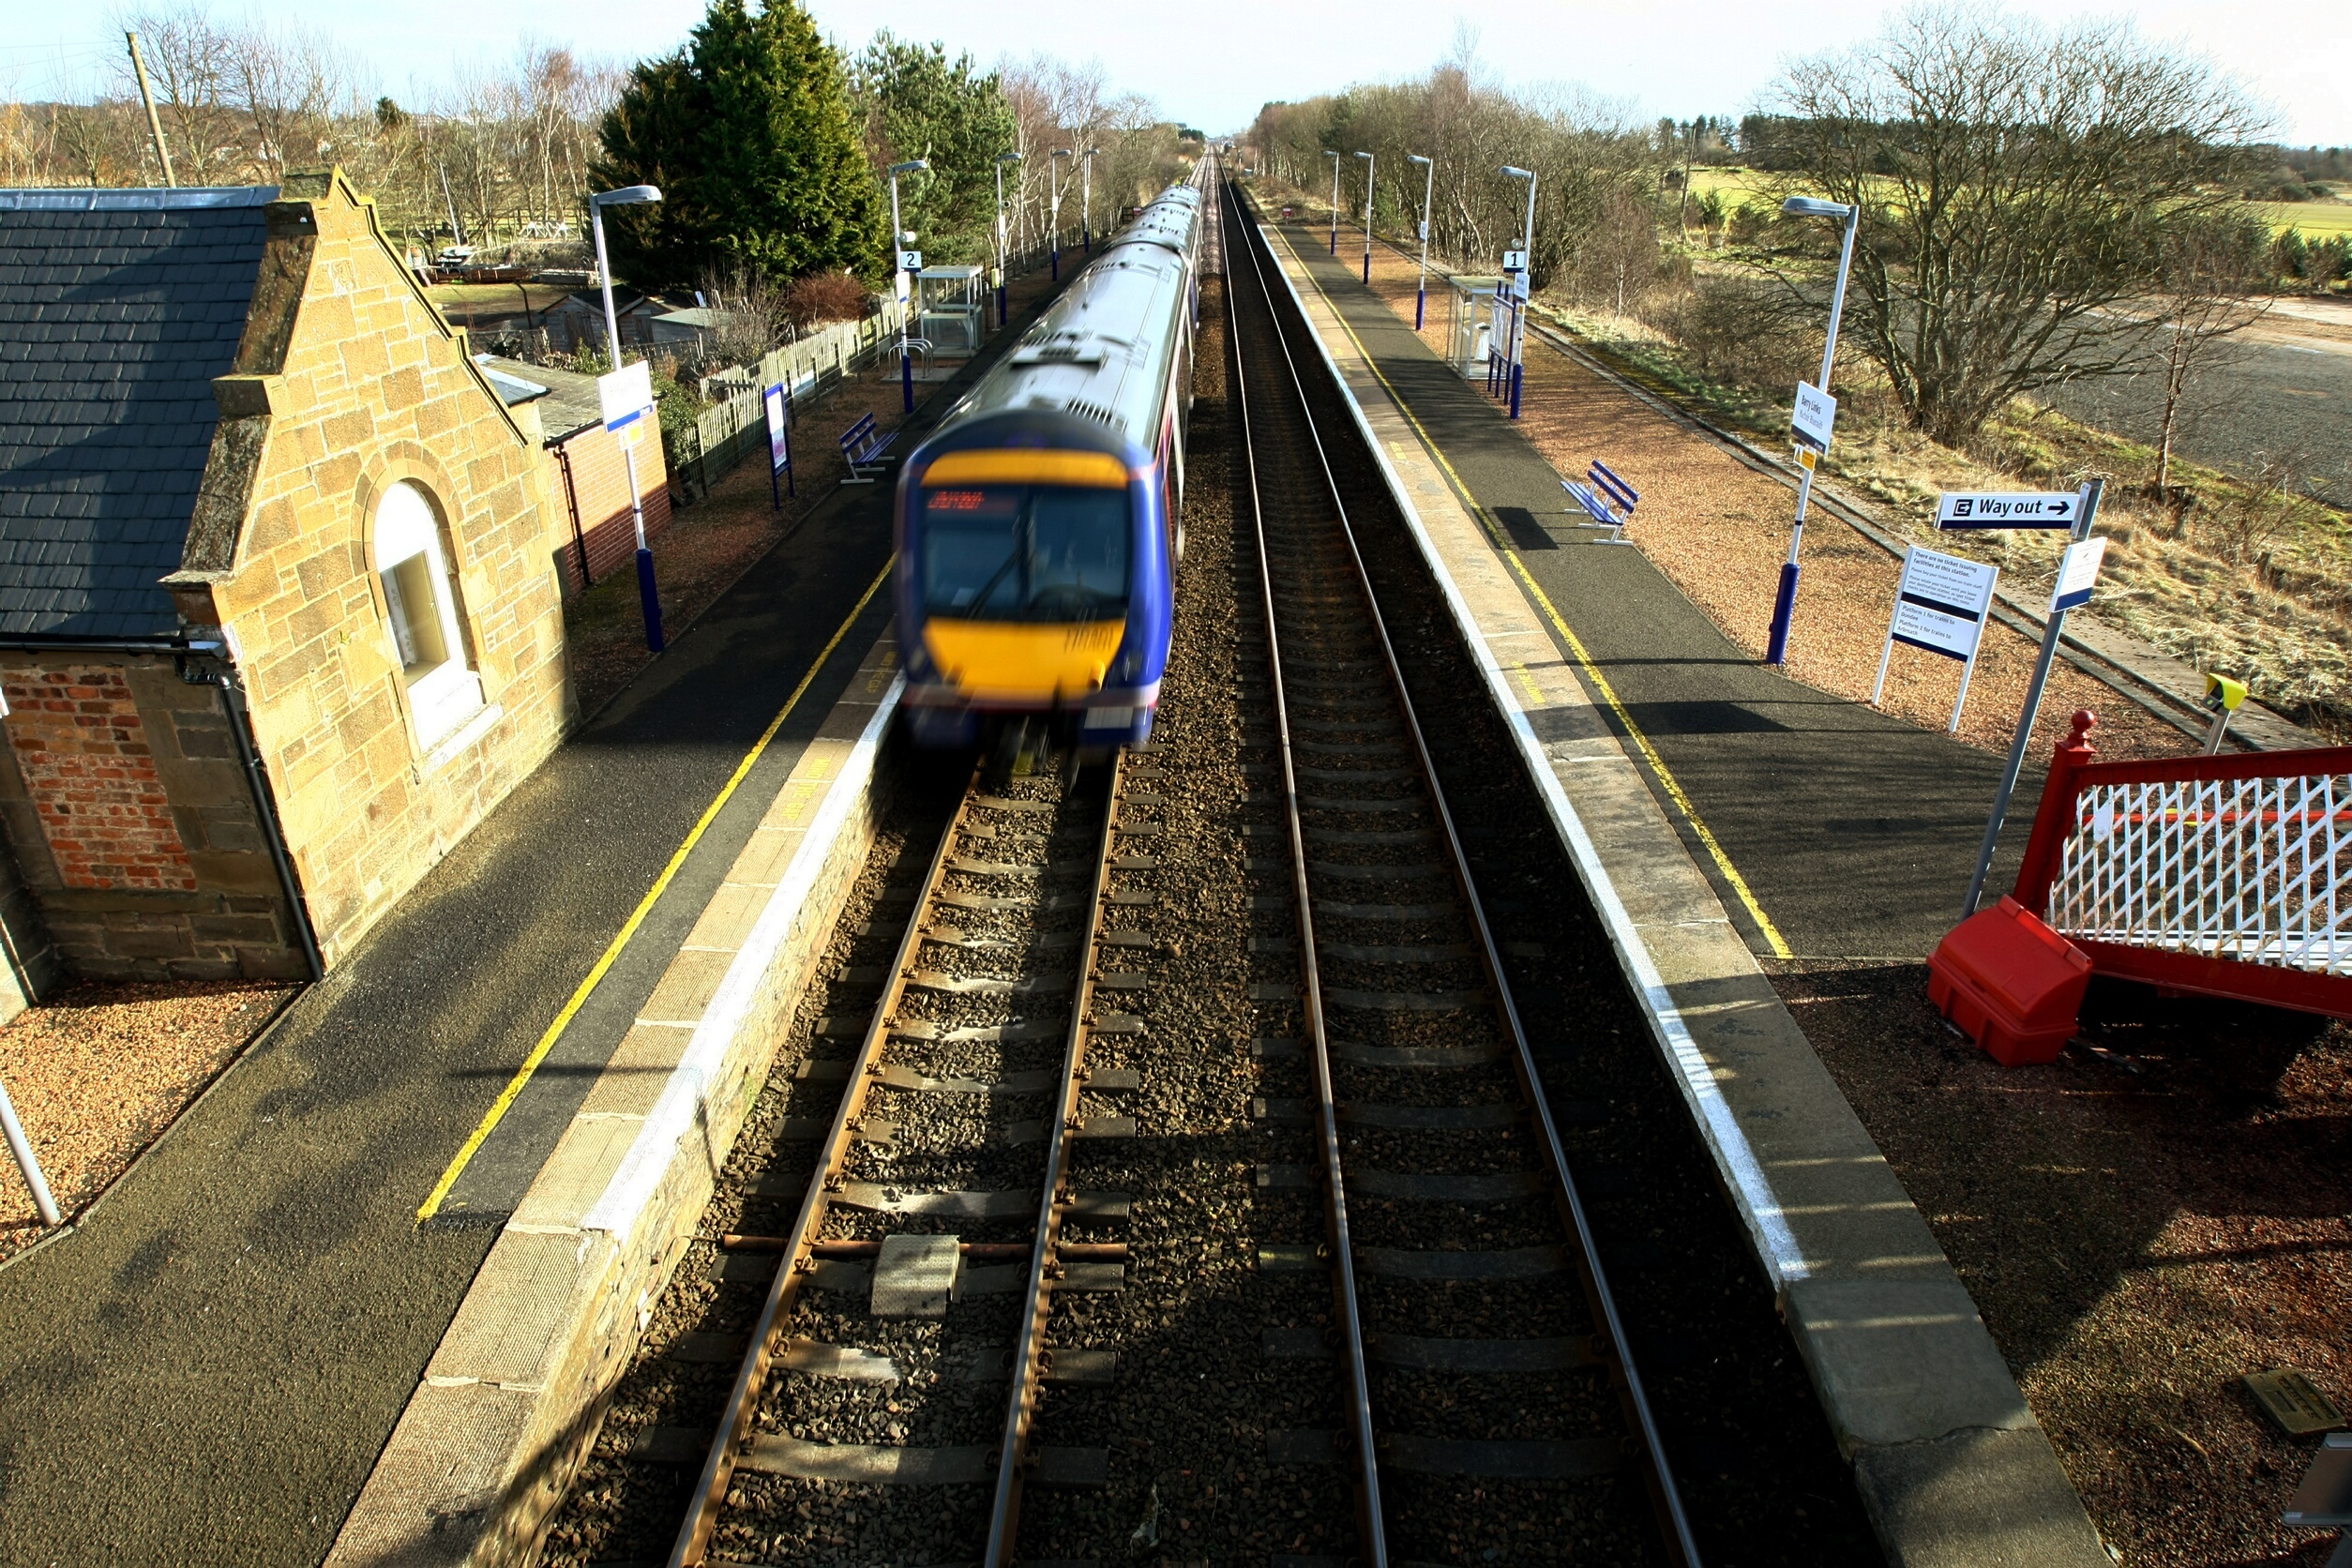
point(917, 103)
point(748, 133)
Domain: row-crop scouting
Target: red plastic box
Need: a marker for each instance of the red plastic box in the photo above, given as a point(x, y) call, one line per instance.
point(2012, 983)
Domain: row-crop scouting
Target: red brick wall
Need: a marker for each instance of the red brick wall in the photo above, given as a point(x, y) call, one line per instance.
point(84, 752)
point(598, 497)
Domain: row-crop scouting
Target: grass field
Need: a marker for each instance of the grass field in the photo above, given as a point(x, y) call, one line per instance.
point(2315, 220)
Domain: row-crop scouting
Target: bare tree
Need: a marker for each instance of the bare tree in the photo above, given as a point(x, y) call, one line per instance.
point(2209, 273)
point(2015, 186)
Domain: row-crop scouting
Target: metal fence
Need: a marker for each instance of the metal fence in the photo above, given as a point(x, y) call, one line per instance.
point(2230, 875)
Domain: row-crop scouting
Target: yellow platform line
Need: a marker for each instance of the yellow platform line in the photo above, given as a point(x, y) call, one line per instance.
point(499, 1107)
point(1576, 644)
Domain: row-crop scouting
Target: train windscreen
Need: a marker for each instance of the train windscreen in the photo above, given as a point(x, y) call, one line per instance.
point(1025, 552)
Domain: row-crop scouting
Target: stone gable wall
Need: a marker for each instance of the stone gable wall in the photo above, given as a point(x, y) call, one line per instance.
point(353, 383)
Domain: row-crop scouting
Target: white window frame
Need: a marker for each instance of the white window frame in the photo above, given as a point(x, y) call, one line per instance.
point(442, 696)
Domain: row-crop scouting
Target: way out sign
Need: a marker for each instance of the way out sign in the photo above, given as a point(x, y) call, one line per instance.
point(2008, 508)
point(1940, 607)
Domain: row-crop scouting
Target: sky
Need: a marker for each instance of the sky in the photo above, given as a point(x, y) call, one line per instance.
point(1225, 57)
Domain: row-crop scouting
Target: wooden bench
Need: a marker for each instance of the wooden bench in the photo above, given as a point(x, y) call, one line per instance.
point(865, 450)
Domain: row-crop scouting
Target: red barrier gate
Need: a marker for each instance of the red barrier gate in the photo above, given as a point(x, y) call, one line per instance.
point(2229, 876)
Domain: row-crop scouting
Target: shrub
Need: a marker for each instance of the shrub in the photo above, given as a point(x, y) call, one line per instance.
point(1743, 333)
point(825, 297)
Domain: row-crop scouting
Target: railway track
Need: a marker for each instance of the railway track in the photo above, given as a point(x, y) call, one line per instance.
point(934, 1229)
point(1471, 1328)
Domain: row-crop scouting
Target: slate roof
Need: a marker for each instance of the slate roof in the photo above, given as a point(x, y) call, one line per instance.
point(117, 308)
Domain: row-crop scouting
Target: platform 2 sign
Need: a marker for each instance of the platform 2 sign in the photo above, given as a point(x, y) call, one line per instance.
point(2008, 509)
point(1941, 606)
point(779, 439)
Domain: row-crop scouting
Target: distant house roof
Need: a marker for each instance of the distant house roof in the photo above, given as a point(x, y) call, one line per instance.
point(118, 309)
point(567, 399)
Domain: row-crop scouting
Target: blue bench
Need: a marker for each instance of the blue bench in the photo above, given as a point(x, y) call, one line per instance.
point(1607, 499)
point(865, 450)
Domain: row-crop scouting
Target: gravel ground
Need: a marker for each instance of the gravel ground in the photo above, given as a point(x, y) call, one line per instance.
point(1719, 530)
point(2140, 1228)
point(97, 1072)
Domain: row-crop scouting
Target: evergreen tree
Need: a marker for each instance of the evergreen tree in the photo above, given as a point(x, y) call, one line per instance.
point(917, 103)
point(747, 130)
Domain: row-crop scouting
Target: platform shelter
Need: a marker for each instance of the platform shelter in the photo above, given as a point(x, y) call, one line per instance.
point(1470, 321)
point(951, 309)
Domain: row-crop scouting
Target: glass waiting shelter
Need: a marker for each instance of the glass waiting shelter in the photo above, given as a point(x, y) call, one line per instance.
point(1472, 324)
point(951, 307)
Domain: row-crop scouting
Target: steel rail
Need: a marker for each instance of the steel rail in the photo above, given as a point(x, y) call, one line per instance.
point(1030, 1359)
point(1658, 1474)
point(693, 1541)
point(1371, 1526)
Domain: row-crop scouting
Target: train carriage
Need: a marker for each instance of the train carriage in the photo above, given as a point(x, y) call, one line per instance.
point(1039, 527)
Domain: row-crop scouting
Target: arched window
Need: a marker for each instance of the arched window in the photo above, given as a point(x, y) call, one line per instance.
point(443, 690)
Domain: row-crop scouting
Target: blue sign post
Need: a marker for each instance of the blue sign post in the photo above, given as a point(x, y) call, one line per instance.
point(779, 444)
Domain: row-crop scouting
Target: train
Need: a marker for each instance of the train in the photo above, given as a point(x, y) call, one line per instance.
point(1040, 525)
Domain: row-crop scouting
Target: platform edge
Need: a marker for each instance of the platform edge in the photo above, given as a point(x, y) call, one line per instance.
point(513, 1398)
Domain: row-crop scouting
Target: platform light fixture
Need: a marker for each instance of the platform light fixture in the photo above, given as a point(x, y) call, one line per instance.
point(1053, 222)
point(898, 238)
point(1428, 189)
point(648, 590)
point(1785, 602)
point(1002, 254)
point(1334, 156)
point(1371, 164)
point(1086, 198)
point(1519, 316)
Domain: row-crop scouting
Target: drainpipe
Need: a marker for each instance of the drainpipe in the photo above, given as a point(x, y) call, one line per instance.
point(190, 658)
point(571, 500)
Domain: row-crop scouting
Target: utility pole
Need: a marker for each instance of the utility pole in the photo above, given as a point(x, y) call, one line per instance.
point(155, 122)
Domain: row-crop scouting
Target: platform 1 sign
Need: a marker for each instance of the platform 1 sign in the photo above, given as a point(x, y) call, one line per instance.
point(2008, 509)
point(1811, 420)
point(1941, 606)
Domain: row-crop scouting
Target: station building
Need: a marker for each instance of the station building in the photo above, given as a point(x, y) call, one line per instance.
point(281, 572)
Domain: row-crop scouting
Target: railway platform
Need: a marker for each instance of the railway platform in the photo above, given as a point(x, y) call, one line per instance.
point(209, 1367)
point(1722, 814)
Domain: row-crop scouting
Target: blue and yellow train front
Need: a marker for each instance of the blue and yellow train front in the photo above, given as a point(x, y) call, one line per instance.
point(1034, 580)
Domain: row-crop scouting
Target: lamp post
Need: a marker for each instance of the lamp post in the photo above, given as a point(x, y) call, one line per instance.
point(1370, 165)
point(1334, 199)
point(1053, 222)
point(1519, 317)
point(1428, 189)
point(1086, 199)
point(898, 237)
point(1785, 604)
point(1003, 256)
point(648, 591)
